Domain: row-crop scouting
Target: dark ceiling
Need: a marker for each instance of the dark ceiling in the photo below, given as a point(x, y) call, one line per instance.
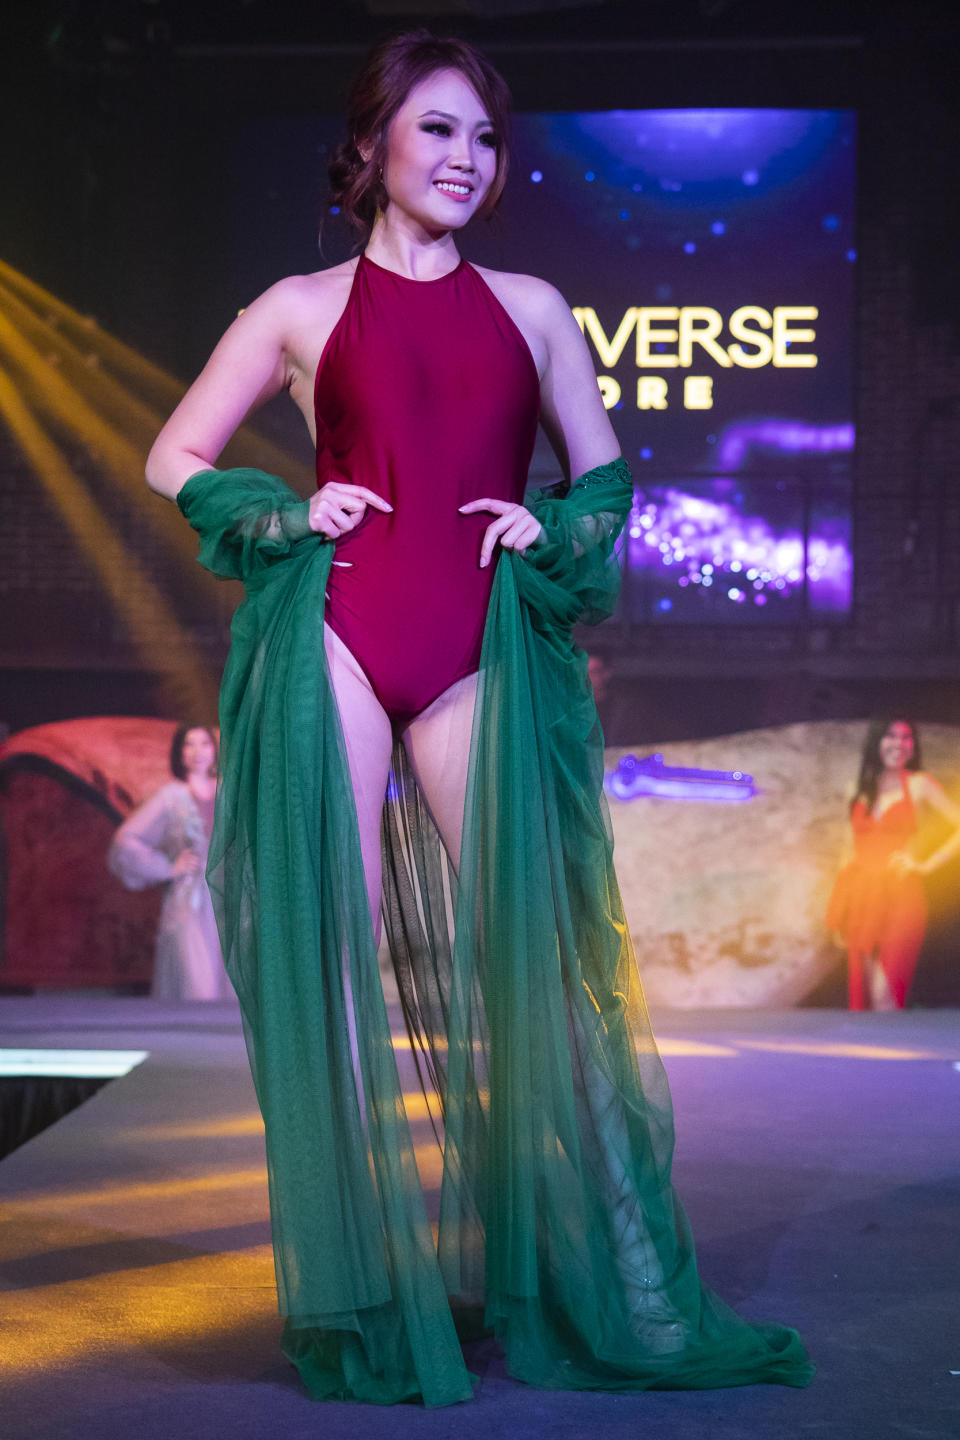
point(88, 30)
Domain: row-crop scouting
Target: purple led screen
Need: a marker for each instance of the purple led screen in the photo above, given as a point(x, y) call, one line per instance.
point(709, 256)
point(735, 547)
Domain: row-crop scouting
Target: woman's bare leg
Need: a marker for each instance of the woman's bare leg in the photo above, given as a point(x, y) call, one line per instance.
point(881, 996)
point(369, 740)
point(438, 745)
point(857, 967)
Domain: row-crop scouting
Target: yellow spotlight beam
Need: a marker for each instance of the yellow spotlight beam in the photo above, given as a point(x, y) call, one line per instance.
point(53, 397)
point(52, 394)
point(167, 390)
point(79, 361)
point(162, 390)
point(843, 1050)
point(127, 416)
point(153, 625)
point(142, 1192)
point(206, 1299)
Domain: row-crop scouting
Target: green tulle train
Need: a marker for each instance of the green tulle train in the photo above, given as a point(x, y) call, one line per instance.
point(558, 1225)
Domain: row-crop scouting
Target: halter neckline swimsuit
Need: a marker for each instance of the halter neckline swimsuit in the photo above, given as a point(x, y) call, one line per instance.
point(426, 393)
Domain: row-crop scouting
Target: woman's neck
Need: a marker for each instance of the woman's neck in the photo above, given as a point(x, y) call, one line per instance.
point(408, 249)
point(201, 784)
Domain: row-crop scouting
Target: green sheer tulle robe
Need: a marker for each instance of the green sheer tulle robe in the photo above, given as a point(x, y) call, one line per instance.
point(558, 1225)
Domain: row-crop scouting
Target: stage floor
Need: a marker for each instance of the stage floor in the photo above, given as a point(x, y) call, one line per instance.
point(817, 1157)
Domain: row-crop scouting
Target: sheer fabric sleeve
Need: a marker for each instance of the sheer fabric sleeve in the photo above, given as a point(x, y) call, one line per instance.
point(136, 855)
point(572, 573)
point(247, 520)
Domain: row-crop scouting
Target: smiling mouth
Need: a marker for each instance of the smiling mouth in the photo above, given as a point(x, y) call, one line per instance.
point(450, 187)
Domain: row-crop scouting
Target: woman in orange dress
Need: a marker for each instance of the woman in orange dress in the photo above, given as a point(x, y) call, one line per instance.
point(878, 910)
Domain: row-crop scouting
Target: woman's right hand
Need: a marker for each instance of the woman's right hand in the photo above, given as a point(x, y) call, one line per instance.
point(902, 863)
point(338, 508)
point(186, 863)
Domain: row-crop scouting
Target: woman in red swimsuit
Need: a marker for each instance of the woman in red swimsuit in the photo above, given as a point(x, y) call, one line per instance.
point(877, 909)
point(415, 373)
point(390, 623)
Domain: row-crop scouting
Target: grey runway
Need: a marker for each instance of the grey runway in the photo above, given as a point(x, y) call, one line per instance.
point(817, 1155)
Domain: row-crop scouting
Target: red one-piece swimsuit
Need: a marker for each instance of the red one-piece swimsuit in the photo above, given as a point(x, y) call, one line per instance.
point(426, 393)
point(876, 910)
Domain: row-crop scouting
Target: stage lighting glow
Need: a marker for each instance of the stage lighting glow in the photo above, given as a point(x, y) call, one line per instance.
point(741, 442)
point(651, 776)
point(150, 619)
point(720, 537)
point(76, 1064)
point(66, 381)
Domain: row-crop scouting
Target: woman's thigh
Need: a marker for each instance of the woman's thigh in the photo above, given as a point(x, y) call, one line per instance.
point(368, 738)
point(437, 743)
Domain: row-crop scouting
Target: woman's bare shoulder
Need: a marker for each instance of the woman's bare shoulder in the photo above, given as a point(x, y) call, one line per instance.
point(539, 311)
point(536, 296)
point(315, 293)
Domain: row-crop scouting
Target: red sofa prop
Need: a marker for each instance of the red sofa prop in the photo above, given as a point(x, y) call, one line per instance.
point(65, 921)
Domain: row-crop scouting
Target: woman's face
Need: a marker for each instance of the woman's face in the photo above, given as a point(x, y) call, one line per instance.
point(896, 747)
point(199, 753)
point(441, 154)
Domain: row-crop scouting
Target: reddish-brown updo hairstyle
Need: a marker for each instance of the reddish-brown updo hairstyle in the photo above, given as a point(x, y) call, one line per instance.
point(391, 71)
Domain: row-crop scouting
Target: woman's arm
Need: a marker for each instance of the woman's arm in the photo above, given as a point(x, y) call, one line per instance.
point(924, 787)
point(937, 798)
point(137, 856)
point(248, 367)
point(572, 410)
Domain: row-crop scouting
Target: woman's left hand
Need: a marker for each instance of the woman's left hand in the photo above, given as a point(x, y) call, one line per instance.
point(514, 527)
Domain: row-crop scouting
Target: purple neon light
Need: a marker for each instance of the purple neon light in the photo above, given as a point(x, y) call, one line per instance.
point(781, 437)
point(651, 776)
